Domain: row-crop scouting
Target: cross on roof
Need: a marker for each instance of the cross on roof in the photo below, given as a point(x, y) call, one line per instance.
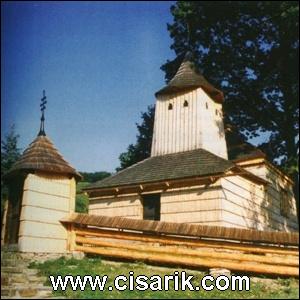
point(43, 107)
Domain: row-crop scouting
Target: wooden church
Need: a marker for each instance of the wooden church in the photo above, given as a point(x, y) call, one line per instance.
point(191, 177)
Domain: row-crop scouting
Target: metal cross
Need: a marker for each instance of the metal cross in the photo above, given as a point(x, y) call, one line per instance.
point(43, 107)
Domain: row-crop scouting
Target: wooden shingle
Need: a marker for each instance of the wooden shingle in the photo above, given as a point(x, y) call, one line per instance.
point(41, 155)
point(188, 77)
point(180, 165)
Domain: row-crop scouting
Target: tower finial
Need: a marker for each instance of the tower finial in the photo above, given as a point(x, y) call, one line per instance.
point(43, 107)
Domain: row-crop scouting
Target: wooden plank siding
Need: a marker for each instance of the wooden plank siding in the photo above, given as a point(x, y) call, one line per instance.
point(231, 201)
point(199, 204)
point(271, 201)
point(247, 205)
point(46, 200)
point(125, 206)
point(193, 205)
point(184, 128)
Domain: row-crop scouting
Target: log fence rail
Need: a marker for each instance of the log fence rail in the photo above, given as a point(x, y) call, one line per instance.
point(270, 253)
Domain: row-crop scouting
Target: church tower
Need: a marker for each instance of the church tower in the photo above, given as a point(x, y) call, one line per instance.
point(188, 114)
point(42, 189)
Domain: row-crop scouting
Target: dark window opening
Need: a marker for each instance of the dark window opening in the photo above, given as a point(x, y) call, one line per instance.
point(216, 112)
point(206, 105)
point(185, 104)
point(151, 207)
point(170, 107)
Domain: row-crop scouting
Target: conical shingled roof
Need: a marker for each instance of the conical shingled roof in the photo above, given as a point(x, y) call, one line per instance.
point(187, 77)
point(43, 156)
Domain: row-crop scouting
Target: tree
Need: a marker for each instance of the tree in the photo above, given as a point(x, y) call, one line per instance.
point(82, 200)
point(250, 50)
point(142, 148)
point(94, 176)
point(10, 153)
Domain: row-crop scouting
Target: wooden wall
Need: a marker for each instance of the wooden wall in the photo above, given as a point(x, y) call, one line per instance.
point(199, 125)
point(199, 204)
point(232, 201)
point(212, 127)
point(278, 182)
point(46, 200)
point(247, 205)
point(192, 205)
point(123, 206)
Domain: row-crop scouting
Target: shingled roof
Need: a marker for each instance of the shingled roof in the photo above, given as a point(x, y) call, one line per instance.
point(180, 165)
point(238, 148)
point(43, 156)
point(188, 77)
point(244, 151)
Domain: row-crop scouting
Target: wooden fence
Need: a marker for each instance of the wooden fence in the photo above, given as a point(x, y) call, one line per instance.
point(187, 245)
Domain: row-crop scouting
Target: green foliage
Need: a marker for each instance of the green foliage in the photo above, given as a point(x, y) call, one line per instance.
point(250, 50)
point(94, 176)
point(142, 148)
point(95, 266)
point(80, 185)
point(82, 200)
point(9, 150)
point(9, 155)
point(81, 203)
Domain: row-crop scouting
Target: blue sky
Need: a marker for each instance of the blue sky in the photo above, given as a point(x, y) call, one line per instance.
point(99, 63)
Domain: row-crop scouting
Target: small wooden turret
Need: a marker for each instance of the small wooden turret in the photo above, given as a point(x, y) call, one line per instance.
point(42, 187)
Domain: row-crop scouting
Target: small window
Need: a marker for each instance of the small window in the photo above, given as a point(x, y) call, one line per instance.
point(285, 204)
point(151, 207)
point(170, 107)
point(216, 112)
point(206, 105)
point(185, 104)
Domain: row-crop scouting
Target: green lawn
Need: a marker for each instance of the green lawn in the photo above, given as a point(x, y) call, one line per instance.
point(280, 288)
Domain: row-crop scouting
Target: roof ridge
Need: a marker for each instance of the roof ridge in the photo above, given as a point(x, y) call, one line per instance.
point(198, 149)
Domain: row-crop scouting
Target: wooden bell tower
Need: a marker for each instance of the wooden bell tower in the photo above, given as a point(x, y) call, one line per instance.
point(188, 114)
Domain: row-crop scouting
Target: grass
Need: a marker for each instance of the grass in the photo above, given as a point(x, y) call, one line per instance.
point(260, 289)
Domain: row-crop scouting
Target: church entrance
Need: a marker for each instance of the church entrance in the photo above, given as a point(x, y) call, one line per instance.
point(151, 207)
point(12, 222)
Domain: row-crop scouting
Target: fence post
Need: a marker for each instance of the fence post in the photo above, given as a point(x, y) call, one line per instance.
point(71, 237)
